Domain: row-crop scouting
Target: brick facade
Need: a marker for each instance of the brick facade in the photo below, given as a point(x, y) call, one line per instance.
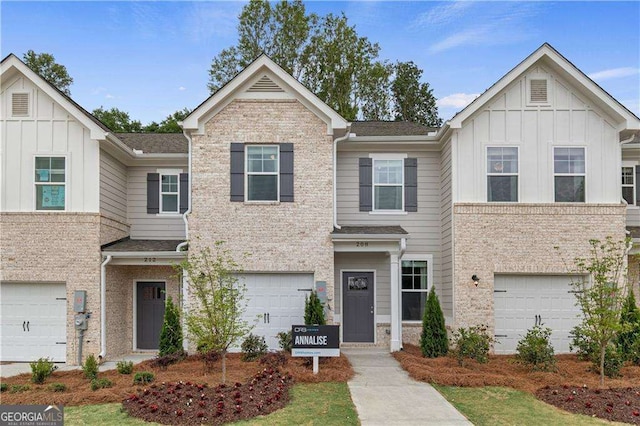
point(56, 247)
point(278, 237)
point(520, 238)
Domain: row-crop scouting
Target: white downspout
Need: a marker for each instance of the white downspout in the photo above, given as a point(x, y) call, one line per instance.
point(335, 174)
point(185, 282)
point(103, 308)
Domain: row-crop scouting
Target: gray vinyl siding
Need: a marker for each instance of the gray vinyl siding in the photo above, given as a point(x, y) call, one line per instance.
point(113, 188)
point(446, 286)
point(423, 226)
point(378, 262)
point(149, 226)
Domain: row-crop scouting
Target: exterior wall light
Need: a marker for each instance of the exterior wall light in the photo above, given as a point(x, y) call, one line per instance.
point(475, 279)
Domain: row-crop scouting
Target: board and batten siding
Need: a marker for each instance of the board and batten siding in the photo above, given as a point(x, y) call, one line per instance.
point(446, 212)
point(113, 188)
point(48, 130)
point(423, 226)
point(149, 226)
point(569, 120)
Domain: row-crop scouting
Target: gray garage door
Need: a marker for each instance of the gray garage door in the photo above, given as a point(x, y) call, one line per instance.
point(520, 299)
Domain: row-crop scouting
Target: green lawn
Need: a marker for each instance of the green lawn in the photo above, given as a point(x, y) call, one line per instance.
point(321, 403)
point(506, 406)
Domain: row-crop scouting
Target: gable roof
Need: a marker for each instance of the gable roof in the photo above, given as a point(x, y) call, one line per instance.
point(262, 64)
point(98, 129)
point(156, 143)
point(391, 128)
point(567, 70)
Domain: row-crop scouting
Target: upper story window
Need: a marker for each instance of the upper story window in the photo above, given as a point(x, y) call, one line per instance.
point(169, 193)
point(629, 185)
point(50, 183)
point(416, 282)
point(569, 174)
point(388, 184)
point(502, 174)
point(262, 173)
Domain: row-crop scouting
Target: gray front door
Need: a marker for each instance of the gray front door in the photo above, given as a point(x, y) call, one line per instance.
point(357, 318)
point(150, 313)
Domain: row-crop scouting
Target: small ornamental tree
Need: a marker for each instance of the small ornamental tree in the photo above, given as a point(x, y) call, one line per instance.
point(600, 293)
point(313, 310)
point(171, 334)
point(433, 340)
point(215, 321)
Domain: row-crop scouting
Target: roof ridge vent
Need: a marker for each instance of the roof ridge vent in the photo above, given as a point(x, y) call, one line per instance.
point(265, 84)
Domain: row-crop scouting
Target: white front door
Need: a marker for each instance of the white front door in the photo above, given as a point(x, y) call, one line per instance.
point(275, 303)
point(33, 319)
point(522, 301)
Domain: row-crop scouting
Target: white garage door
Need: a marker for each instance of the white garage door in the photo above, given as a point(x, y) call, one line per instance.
point(520, 299)
point(33, 320)
point(275, 303)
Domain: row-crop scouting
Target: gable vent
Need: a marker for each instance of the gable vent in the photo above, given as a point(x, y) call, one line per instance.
point(265, 84)
point(19, 104)
point(539, 91)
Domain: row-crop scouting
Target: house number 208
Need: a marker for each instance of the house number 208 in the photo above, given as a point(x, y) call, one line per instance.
point(362, 244)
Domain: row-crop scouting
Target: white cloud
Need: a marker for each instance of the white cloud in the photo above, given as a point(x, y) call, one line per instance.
point(470, 36)
point(182, 88)
point(457, 100)
point(109, 96)
point(443, 14)
point(614, 73)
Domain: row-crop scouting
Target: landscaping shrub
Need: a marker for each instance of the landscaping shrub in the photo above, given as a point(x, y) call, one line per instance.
point(124, 367)
point(41, 369)
point(143, 377)
point(588, 351)
point(163, 362)
point(209, 359)
point(535, 349)
point(285, 341)
point(433, 340)
point(472, 343)
point(90, 367)
point(613, 362)
point(57, 387)
point(313, 310)
point(253, 347)
point(634, 353)
point(100, 384)
point(19, 388)
point(630, 319)
point(3, 387)
point(585, 349)
point(274, 360)
point(171, 334)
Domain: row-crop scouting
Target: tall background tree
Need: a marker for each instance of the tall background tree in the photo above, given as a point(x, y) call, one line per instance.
point(45, 65)
point(328, 56)
point(117, 120)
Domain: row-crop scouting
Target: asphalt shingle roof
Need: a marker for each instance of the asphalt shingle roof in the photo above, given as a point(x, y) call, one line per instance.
point(129, 245)
point(370, 230)
point(157, 143)
point(390, 128)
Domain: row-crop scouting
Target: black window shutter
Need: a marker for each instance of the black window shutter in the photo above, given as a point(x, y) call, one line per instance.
point(365, 166)
point(286, 172)
point(153, 193)
point(237, 172)
point(411, 184)
point(184, 192)
point(637, 182)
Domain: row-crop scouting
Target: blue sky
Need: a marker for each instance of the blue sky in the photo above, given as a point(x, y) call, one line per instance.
point(152, 58)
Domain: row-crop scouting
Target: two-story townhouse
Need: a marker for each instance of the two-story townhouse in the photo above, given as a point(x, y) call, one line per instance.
point(371, 214)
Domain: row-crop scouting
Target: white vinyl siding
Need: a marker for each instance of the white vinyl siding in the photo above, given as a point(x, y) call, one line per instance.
point(445, 290)
point(502, 174)
point(569, 174)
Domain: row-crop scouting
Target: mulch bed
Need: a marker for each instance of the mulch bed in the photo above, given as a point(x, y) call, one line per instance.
point(503, 370)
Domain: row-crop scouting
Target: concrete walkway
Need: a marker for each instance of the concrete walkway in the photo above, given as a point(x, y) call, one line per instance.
point(384, 394)
point(17, 368)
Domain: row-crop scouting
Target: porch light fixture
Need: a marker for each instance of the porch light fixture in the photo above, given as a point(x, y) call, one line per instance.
point(475, 279)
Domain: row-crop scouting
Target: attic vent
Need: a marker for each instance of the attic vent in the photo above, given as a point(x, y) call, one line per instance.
point(19, 104)
point(539, 91)
point(265, 84)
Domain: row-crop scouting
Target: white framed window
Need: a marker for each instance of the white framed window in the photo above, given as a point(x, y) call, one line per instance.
point(416, 280)
point(388, 182)
point(569, 169)
point(629, 184)
point(50, 181)
point(502, 174)
point(262, 173)
point(169, 192)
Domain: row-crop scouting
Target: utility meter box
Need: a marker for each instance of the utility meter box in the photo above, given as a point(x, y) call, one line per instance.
point(79, 301)
point(80, 321)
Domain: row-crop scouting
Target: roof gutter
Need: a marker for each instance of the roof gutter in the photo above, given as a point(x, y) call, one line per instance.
point(335, 174)
point(188, 212)
point(103, 308)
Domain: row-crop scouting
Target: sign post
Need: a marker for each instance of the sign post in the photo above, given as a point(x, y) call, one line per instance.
point(315, 341)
